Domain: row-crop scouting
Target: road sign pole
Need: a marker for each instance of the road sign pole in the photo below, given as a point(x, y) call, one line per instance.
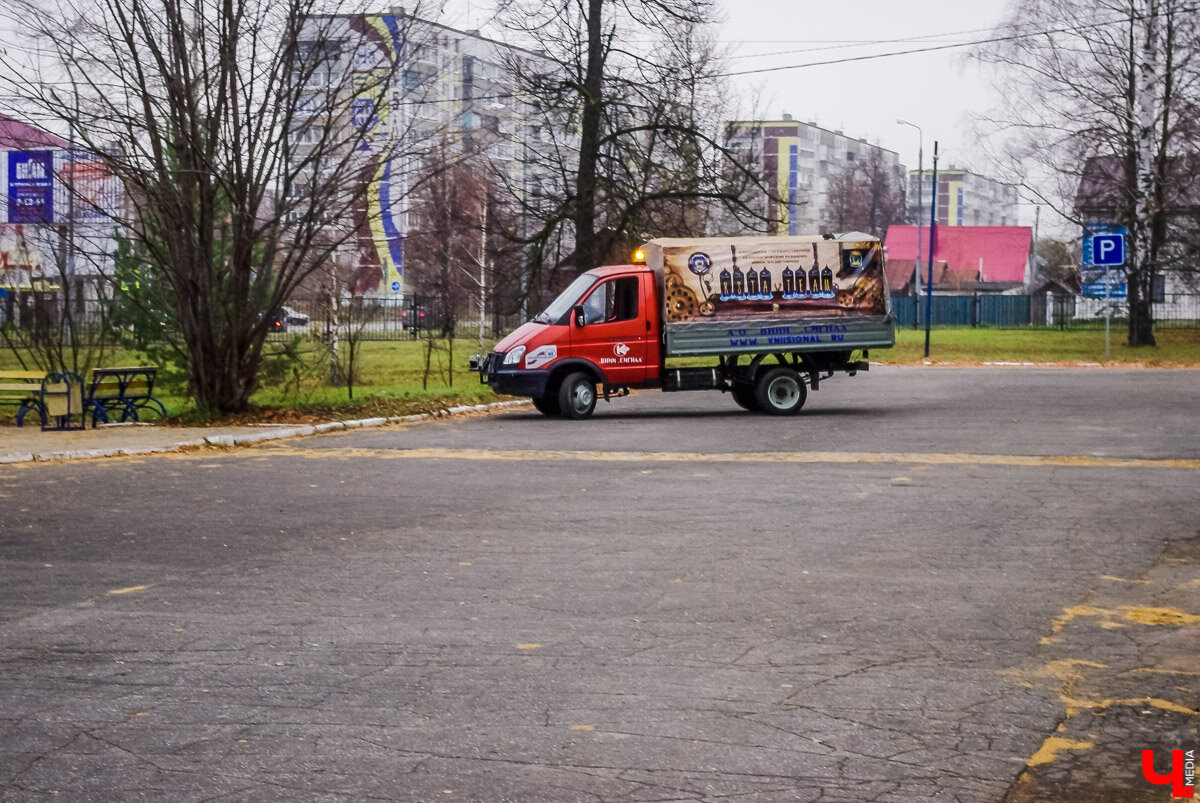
point(1107, 314)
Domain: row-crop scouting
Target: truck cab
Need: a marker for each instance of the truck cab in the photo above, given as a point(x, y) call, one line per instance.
point(603, 329)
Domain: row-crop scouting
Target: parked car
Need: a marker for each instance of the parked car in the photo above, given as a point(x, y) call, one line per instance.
point(285, 317)
point(415, 319)
point(293, 317)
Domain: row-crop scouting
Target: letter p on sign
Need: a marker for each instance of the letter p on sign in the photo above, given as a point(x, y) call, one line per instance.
point(1108, 249)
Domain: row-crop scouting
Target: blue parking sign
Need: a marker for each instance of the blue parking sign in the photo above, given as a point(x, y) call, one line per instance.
point(1108, 249)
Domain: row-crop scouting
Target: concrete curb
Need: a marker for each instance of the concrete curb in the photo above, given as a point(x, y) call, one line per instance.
point(251, 438)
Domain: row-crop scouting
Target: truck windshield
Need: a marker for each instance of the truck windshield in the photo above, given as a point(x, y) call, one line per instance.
point(568, 298)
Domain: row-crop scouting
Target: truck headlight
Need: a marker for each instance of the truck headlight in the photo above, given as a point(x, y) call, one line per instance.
point(514, 357)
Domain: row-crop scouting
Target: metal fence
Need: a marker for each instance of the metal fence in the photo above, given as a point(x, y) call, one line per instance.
point(23, 315)
point(1041, 311)
point(411, 318)
point(416, 317)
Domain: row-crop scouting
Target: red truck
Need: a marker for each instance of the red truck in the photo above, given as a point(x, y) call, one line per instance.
point(760, 318)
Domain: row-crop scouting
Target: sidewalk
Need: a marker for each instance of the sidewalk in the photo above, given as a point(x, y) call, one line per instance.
point(30, 443)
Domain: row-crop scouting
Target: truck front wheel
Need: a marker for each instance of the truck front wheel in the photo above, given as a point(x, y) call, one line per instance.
point(577, 396)
point(780, 391)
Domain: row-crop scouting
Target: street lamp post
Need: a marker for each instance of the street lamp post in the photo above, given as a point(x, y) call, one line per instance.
point(920, 181)
point(932, 245)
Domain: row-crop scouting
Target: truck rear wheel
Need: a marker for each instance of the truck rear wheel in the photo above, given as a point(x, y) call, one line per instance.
point(577, 396)
point(547, 405)
point(780, 391)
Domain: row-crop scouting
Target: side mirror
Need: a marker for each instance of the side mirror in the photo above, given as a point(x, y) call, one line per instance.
point(577, 314)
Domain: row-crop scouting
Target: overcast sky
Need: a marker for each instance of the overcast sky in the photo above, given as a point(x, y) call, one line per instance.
point(865, 96)
point(862, 98)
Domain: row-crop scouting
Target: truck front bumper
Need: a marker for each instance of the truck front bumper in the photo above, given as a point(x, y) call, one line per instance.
point(512, 381)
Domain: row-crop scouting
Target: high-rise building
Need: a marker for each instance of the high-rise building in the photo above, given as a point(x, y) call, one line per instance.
point(801, 166)
point(449, 90)
point(964, 199)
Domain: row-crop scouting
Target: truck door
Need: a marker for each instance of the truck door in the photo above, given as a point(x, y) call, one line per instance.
point(617, 334)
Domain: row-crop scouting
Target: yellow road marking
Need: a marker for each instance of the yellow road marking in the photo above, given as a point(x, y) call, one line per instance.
point(1130, 613)
point(1074, 706)
point(917, 458)
point(1050, 749)
point(129, 590)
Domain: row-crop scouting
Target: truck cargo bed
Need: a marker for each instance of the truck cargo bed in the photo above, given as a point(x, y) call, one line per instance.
point(754, 295)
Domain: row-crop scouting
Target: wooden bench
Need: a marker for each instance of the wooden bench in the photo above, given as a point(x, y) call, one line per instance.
point(123, 393)
point(22, 388)
point(57, 398)
point(120, 394)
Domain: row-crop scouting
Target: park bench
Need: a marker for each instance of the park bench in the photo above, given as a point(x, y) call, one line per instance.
point(23, 389)
point(123, 393)
point(56, 398)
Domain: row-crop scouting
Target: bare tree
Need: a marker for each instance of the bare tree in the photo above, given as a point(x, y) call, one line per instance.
point(447, 241)
point(242, 131)
point(628, 121)
point(1113, 133)
point(865, 196)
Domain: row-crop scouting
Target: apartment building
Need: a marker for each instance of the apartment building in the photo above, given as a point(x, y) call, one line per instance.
point(453, 91)
point(963, 199)
point(800, 163)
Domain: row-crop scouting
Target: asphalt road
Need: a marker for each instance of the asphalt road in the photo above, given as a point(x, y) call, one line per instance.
point(934, 584)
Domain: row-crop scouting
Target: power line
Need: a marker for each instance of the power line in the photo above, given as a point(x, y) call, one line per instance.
point(837, 44)
point(950, 46)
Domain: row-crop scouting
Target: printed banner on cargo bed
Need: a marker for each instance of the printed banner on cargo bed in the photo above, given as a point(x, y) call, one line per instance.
point(732, 279)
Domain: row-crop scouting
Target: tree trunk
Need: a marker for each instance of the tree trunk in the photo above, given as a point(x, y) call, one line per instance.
point(591, 121)
point(1141, 278)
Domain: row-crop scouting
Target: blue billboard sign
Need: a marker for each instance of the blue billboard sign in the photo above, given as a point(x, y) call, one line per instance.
point(30, 186)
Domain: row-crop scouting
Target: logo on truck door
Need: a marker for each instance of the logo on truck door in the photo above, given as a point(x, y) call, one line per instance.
point(621, 352)
point(540, 356)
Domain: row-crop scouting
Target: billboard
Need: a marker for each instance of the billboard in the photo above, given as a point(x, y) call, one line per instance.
point(729, 278)
point(378, 215)
point(87, 190)
point(30, 188)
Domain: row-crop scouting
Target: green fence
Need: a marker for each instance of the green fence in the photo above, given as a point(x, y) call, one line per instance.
point(1041, 311)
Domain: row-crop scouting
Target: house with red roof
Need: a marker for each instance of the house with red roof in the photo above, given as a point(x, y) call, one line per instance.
point(966, 259)
point(18, 136)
